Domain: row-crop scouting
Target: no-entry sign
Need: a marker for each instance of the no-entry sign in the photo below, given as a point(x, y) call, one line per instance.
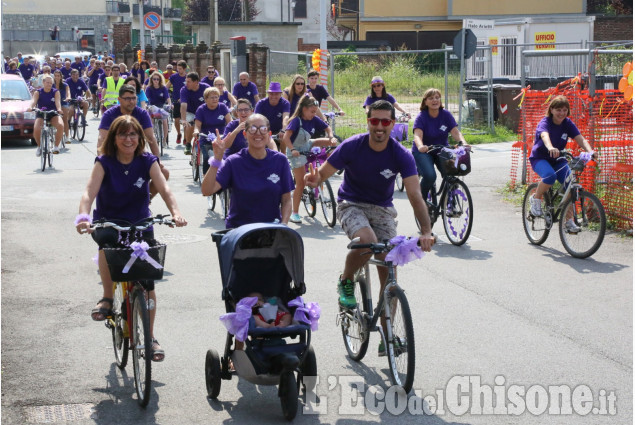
point(104, 37)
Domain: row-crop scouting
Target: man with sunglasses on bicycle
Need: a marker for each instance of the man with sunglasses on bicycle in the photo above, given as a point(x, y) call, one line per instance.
point(371, 162)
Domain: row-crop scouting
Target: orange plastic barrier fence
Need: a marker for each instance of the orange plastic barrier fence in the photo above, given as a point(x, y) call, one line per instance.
point(606, 121)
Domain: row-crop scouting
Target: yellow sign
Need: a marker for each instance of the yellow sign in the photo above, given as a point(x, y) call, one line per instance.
point(545, 40)
point(493, 41)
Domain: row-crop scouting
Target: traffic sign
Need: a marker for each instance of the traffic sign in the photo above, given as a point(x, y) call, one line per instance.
point(466, 36)
point(151, 20)
point(104, 37)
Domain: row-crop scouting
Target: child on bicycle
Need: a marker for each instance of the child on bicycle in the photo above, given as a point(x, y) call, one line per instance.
point(552, 134)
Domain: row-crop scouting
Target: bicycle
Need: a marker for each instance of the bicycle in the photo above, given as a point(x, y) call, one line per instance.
point(96, 106)
point(455, 204)
point(77, 122)
point(324, 192)
point(158, 115)
point(564, 202)
point(47, 138)
point(357, 323)
point(400, 134)
point(130, 299)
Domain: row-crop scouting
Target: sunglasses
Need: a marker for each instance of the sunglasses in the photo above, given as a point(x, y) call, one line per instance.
point(376, 121)
point(210, 72)
point(300, 84)
point(156, 79)
point(262, 130)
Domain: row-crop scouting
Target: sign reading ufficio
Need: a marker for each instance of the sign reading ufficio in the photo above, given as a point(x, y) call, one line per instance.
point(545, 40)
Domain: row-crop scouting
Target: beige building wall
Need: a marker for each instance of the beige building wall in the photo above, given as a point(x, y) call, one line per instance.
point(409, 26)
point(515, 7)
point(396, 8)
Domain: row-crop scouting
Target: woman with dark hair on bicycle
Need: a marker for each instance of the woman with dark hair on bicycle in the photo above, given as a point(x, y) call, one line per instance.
point(294, 93)
point(159, 96)
point(259, 178)
point(65, 95)
point(378, 92)
point(48, 98)
point(552, 134)
point(303, 124)
point(119, 182)
point(432, 127)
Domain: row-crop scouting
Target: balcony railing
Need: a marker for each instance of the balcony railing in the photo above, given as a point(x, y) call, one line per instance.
point(117, 8)
point(170, 13)
point(146, 9)
point(346, 8)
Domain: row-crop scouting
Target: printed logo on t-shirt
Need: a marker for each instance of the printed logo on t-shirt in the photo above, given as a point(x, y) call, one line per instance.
point(139, 182)
point(201, 99)
point(220, 117)
point(313, 131)
point(273, 178)
point(443, 128)
point(387, 173)
point(565, 136)
point(160, 94)
point(248, 93)
point(279, 114)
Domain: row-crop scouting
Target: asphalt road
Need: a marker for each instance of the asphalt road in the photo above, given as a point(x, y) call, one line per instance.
point(509, 317)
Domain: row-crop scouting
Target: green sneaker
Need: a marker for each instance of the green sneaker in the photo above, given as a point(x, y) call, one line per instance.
point(188, 149)
point(401, 346)
point(381, 351)
point(346, 289)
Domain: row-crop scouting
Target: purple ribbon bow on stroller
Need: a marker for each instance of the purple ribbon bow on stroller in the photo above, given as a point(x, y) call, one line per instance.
point(308, 313)
point(405, 250)
point(237, 323)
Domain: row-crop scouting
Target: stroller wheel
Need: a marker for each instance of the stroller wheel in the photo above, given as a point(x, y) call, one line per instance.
point(288, 393)
point(309, 369)
point(212, 373)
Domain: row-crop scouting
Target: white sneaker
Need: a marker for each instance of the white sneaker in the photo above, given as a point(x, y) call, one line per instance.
point(295, 218)
point(536, 208)
point(571, 227)
point(56, 150)
point(38, 151)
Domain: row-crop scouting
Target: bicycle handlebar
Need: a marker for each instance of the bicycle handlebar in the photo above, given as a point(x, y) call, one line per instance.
point(143, 224)
point(378, 247)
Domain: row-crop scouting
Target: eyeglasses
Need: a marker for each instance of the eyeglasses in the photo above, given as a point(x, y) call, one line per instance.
point(300, 84)
point(262, 130)
point(129, 98)
point(244, 110)
point(378, 85)
point(213, 97)
point(156, 79)
point(376, 121)
point(128, 135)
point(210, 72)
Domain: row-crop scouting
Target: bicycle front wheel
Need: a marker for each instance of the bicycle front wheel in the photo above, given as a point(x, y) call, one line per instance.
point(81, 126)
point(44, 144)
point(353, 322)
point(327, 200)
point(72, 126)
point(224, 200)
point(142, 350)
point(308, 199)
point(158, 134)
point(458, 213)
point(588, 214)
point(194, 160)
point(401, 347)
point(120, 327)
point(536, 228)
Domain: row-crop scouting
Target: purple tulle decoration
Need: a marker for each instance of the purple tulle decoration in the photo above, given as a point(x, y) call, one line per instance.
point(96, 258)
point(404, 251)
point(308, 313)
point(316, 150)
point(586, 156)
point(237, 323)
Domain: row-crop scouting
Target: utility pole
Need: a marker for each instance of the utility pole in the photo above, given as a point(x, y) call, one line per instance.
point(213, 21)
point(141, 25)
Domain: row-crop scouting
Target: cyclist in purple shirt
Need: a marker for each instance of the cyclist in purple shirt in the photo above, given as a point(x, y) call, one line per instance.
point(26, 69)
point(119, 183)
point(66, 69)
point(212, 73)
point(371, 161)
point(259, 178)
point(77, 88)
point(378, 92)
point(211, 117)
point(47, 98)
point(432, 127)
point(159, 97)
point(192, 96)
point(319, 92)
point(275, 109)
point(234, 136)
point(176, 82)
point(78, 65)
point(245, 89)
point(93, 74)
point(552, 134)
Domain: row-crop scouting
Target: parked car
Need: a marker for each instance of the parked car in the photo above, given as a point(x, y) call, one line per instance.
point(71, 55)
point(17, 123)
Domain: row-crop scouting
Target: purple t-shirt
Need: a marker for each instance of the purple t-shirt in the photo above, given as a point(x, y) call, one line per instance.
point(369, 175)
point(239, 142)
point(194, 99)
point(558, 134)
point(209, 81)
point(212, 120)
point(293, 103)
point(224, 99)
point(319, 93)
point(92, 79)
point(273, 113)
point(435, 130)
point(77, 88)
point(177, 82)
point(46, 100)
point(257, 186)
point(157, 97)
point(124, 196)
point(78, 66)
point(389, 97)
point(115, 112)
point(66, 73)
point(26, 71)
point(248, 92)
point(313, 126)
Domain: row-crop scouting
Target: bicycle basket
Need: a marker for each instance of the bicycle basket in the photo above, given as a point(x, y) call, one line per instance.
point(139, 269)
point(463, 165)
point(577, 164)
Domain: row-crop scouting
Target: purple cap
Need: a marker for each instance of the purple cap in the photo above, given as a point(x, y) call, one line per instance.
point(275, 87)
point(377, 80)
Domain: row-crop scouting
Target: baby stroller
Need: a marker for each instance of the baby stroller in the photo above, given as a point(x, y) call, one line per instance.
point(265, 258)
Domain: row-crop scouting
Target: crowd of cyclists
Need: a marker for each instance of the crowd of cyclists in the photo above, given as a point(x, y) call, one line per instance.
point(252, 145)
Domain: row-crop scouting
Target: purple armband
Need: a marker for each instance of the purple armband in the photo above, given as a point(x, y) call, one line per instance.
point(83, 217)
point(213, 162)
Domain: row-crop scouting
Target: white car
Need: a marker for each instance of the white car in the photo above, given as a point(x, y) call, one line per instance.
point(71, 55)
